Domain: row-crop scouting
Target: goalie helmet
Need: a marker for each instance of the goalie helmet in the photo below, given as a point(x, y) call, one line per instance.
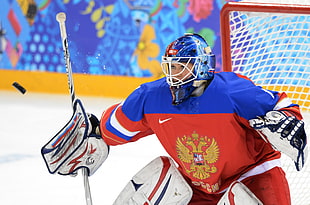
point(193, 55)
point(189, 49)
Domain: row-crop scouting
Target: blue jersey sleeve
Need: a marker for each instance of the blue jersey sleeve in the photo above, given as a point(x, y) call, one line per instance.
point(133, 105)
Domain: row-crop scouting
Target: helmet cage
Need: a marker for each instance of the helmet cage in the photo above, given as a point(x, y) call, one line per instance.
point(193, 71)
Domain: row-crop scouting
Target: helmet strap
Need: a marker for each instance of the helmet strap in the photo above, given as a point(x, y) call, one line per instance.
point(182, 93)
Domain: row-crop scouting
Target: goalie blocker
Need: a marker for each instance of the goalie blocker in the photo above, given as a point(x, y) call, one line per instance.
point(76, 145)
point(285, 133)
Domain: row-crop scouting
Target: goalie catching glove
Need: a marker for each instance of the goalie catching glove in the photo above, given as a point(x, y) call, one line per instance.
point(284, 133)
point(76, 145)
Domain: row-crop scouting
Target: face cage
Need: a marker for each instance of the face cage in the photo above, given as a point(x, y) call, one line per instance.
point(172, 79)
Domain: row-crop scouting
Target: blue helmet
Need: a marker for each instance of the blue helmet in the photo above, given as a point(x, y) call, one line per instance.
point(187, 63)
point(194, 54)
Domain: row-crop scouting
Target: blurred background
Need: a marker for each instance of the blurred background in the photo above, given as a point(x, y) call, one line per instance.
point(111, 42)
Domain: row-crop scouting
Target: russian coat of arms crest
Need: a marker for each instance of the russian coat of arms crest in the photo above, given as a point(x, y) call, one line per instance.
point(198, 154)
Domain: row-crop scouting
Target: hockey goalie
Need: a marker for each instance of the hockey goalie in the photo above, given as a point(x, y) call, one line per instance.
point(224, 135)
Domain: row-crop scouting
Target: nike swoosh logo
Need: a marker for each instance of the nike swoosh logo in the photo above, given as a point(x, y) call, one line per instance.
point(165, 120)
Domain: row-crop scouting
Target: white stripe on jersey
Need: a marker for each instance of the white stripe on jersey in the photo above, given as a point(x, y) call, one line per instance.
point(270, 93)
point(259, 169)
point(115, 123)
point(283, 103)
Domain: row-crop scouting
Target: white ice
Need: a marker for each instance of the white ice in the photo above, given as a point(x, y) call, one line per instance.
point(27, 122)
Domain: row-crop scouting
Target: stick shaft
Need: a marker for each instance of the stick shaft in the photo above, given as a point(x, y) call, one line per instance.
point(61, 17)
point(64, 39)
point(86, 187)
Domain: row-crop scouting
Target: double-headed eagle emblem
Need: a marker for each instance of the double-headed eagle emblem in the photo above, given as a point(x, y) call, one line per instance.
point(198, 155)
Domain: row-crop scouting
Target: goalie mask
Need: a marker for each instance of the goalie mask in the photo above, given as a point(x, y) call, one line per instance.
point(188, 63)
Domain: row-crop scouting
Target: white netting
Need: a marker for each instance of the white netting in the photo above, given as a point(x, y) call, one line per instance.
point(273, 50)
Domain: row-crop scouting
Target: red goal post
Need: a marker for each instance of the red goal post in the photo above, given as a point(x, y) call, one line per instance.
point(270, 44)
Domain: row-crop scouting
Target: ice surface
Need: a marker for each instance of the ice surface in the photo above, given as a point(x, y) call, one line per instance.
point(27, 122)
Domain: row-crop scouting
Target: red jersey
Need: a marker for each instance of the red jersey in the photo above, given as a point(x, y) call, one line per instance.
point(209, 136)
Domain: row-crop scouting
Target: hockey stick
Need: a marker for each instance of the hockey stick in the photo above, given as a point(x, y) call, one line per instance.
point(61, 18)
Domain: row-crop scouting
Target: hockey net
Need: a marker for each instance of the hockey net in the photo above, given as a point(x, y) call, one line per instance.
point(270, 44)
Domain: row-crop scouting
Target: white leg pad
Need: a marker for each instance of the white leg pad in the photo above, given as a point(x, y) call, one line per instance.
point(159, 182)
point(239, 194)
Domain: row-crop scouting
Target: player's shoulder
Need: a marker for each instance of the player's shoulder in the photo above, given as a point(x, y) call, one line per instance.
point(155, 85)
point(151, 90)
point(231, 78)
point(231, 75)
point(149, 95)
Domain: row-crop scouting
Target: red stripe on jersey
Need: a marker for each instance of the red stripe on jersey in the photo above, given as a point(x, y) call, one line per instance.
point(108, 136)
point(112, 139)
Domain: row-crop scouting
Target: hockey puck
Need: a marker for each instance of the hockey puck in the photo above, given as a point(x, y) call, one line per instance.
point(19, 87)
